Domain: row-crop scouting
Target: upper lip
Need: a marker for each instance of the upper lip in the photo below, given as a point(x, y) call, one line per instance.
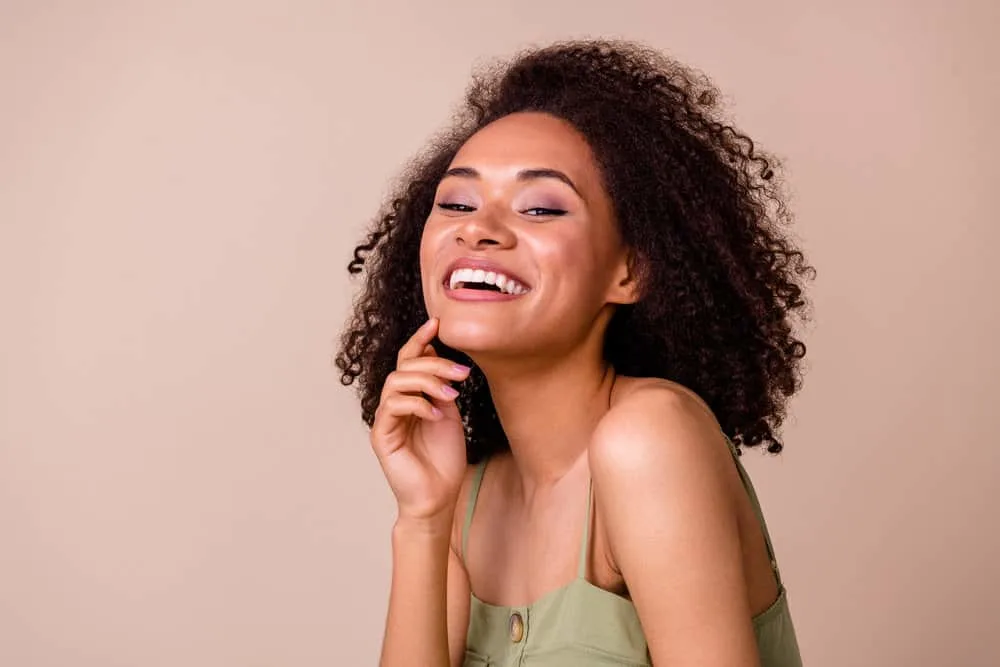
point(485, 265)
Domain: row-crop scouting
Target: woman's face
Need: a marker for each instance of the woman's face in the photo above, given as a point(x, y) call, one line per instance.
point(521, 254)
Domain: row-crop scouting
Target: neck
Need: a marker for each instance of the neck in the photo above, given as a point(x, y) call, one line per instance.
point(549, 409)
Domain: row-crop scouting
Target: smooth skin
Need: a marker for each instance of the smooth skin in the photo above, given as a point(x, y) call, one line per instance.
point(673, 528)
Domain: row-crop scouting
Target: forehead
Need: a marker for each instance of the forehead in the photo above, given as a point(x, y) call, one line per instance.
point(530, 140)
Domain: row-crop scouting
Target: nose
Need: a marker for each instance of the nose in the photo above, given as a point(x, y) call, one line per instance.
point(484, 230)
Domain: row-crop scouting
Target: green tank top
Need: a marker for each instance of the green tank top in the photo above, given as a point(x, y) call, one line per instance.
point(583, 625)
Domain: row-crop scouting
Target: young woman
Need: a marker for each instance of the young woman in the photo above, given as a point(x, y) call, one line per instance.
point(576, 309)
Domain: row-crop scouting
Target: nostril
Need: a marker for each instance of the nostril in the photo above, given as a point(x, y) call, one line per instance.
point(480, 243)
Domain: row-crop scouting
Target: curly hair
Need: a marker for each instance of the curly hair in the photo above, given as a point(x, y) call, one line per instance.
point(698, 206)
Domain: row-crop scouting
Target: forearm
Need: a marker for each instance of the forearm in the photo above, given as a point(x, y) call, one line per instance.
point(416, 627)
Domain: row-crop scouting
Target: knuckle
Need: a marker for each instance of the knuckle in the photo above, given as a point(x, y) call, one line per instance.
point(405, 352)
point(394, 382)
point(390, 383)
point(402, 372)
point(407, 364)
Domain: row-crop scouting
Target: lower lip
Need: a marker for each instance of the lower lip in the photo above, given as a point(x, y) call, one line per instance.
point(478, 295)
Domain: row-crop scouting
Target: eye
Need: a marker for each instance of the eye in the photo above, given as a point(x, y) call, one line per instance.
point(458, 208)
point(541, 212)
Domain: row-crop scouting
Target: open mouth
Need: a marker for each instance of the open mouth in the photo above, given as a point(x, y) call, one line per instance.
point(485, 281)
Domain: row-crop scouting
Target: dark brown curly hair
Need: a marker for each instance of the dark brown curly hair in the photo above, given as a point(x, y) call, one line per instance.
point(698, 206)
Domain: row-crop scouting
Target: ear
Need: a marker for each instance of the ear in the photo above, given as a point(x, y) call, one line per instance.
point(626, 286)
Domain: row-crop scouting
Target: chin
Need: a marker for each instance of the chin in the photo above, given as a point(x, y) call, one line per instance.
point(471, 337)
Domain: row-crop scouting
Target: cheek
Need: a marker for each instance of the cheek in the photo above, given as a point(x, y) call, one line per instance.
point(574, 266)
point(433, 242)
point(430, 245)
point(425, 262)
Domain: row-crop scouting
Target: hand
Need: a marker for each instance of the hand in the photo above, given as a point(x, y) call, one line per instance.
point(417, 434)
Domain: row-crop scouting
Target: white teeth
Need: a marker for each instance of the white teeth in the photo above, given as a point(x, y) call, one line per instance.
point(502, 282)
point(510, 286)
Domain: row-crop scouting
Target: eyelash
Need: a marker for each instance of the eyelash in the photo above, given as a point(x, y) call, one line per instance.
point(546, 212)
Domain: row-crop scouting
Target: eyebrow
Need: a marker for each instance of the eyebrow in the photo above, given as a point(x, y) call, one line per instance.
point(523, 175)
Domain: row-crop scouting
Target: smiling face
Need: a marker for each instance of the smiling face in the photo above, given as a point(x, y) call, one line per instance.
point(521, 254)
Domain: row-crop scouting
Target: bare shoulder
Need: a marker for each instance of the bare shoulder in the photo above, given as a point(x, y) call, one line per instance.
point(653, 425)
point(665, 491)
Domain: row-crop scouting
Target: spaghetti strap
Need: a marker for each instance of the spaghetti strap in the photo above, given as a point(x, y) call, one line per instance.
point(748, 486)
point(477, 481)
point(581, 568)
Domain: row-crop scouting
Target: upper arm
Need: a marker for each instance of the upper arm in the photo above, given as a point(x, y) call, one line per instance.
point(661, 474)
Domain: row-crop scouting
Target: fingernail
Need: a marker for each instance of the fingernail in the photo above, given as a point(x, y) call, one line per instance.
point(436, 412)
point(449, 392)
point(459, 368)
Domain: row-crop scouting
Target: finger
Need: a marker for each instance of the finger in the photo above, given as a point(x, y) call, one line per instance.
point(413, 382)
point(437, 366)
point(399, 407)
point(421, 338)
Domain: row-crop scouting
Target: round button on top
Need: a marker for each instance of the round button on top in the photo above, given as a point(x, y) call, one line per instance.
point(516, 627)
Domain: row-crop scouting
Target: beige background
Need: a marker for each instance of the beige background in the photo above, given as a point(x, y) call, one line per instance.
point(184, 482)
